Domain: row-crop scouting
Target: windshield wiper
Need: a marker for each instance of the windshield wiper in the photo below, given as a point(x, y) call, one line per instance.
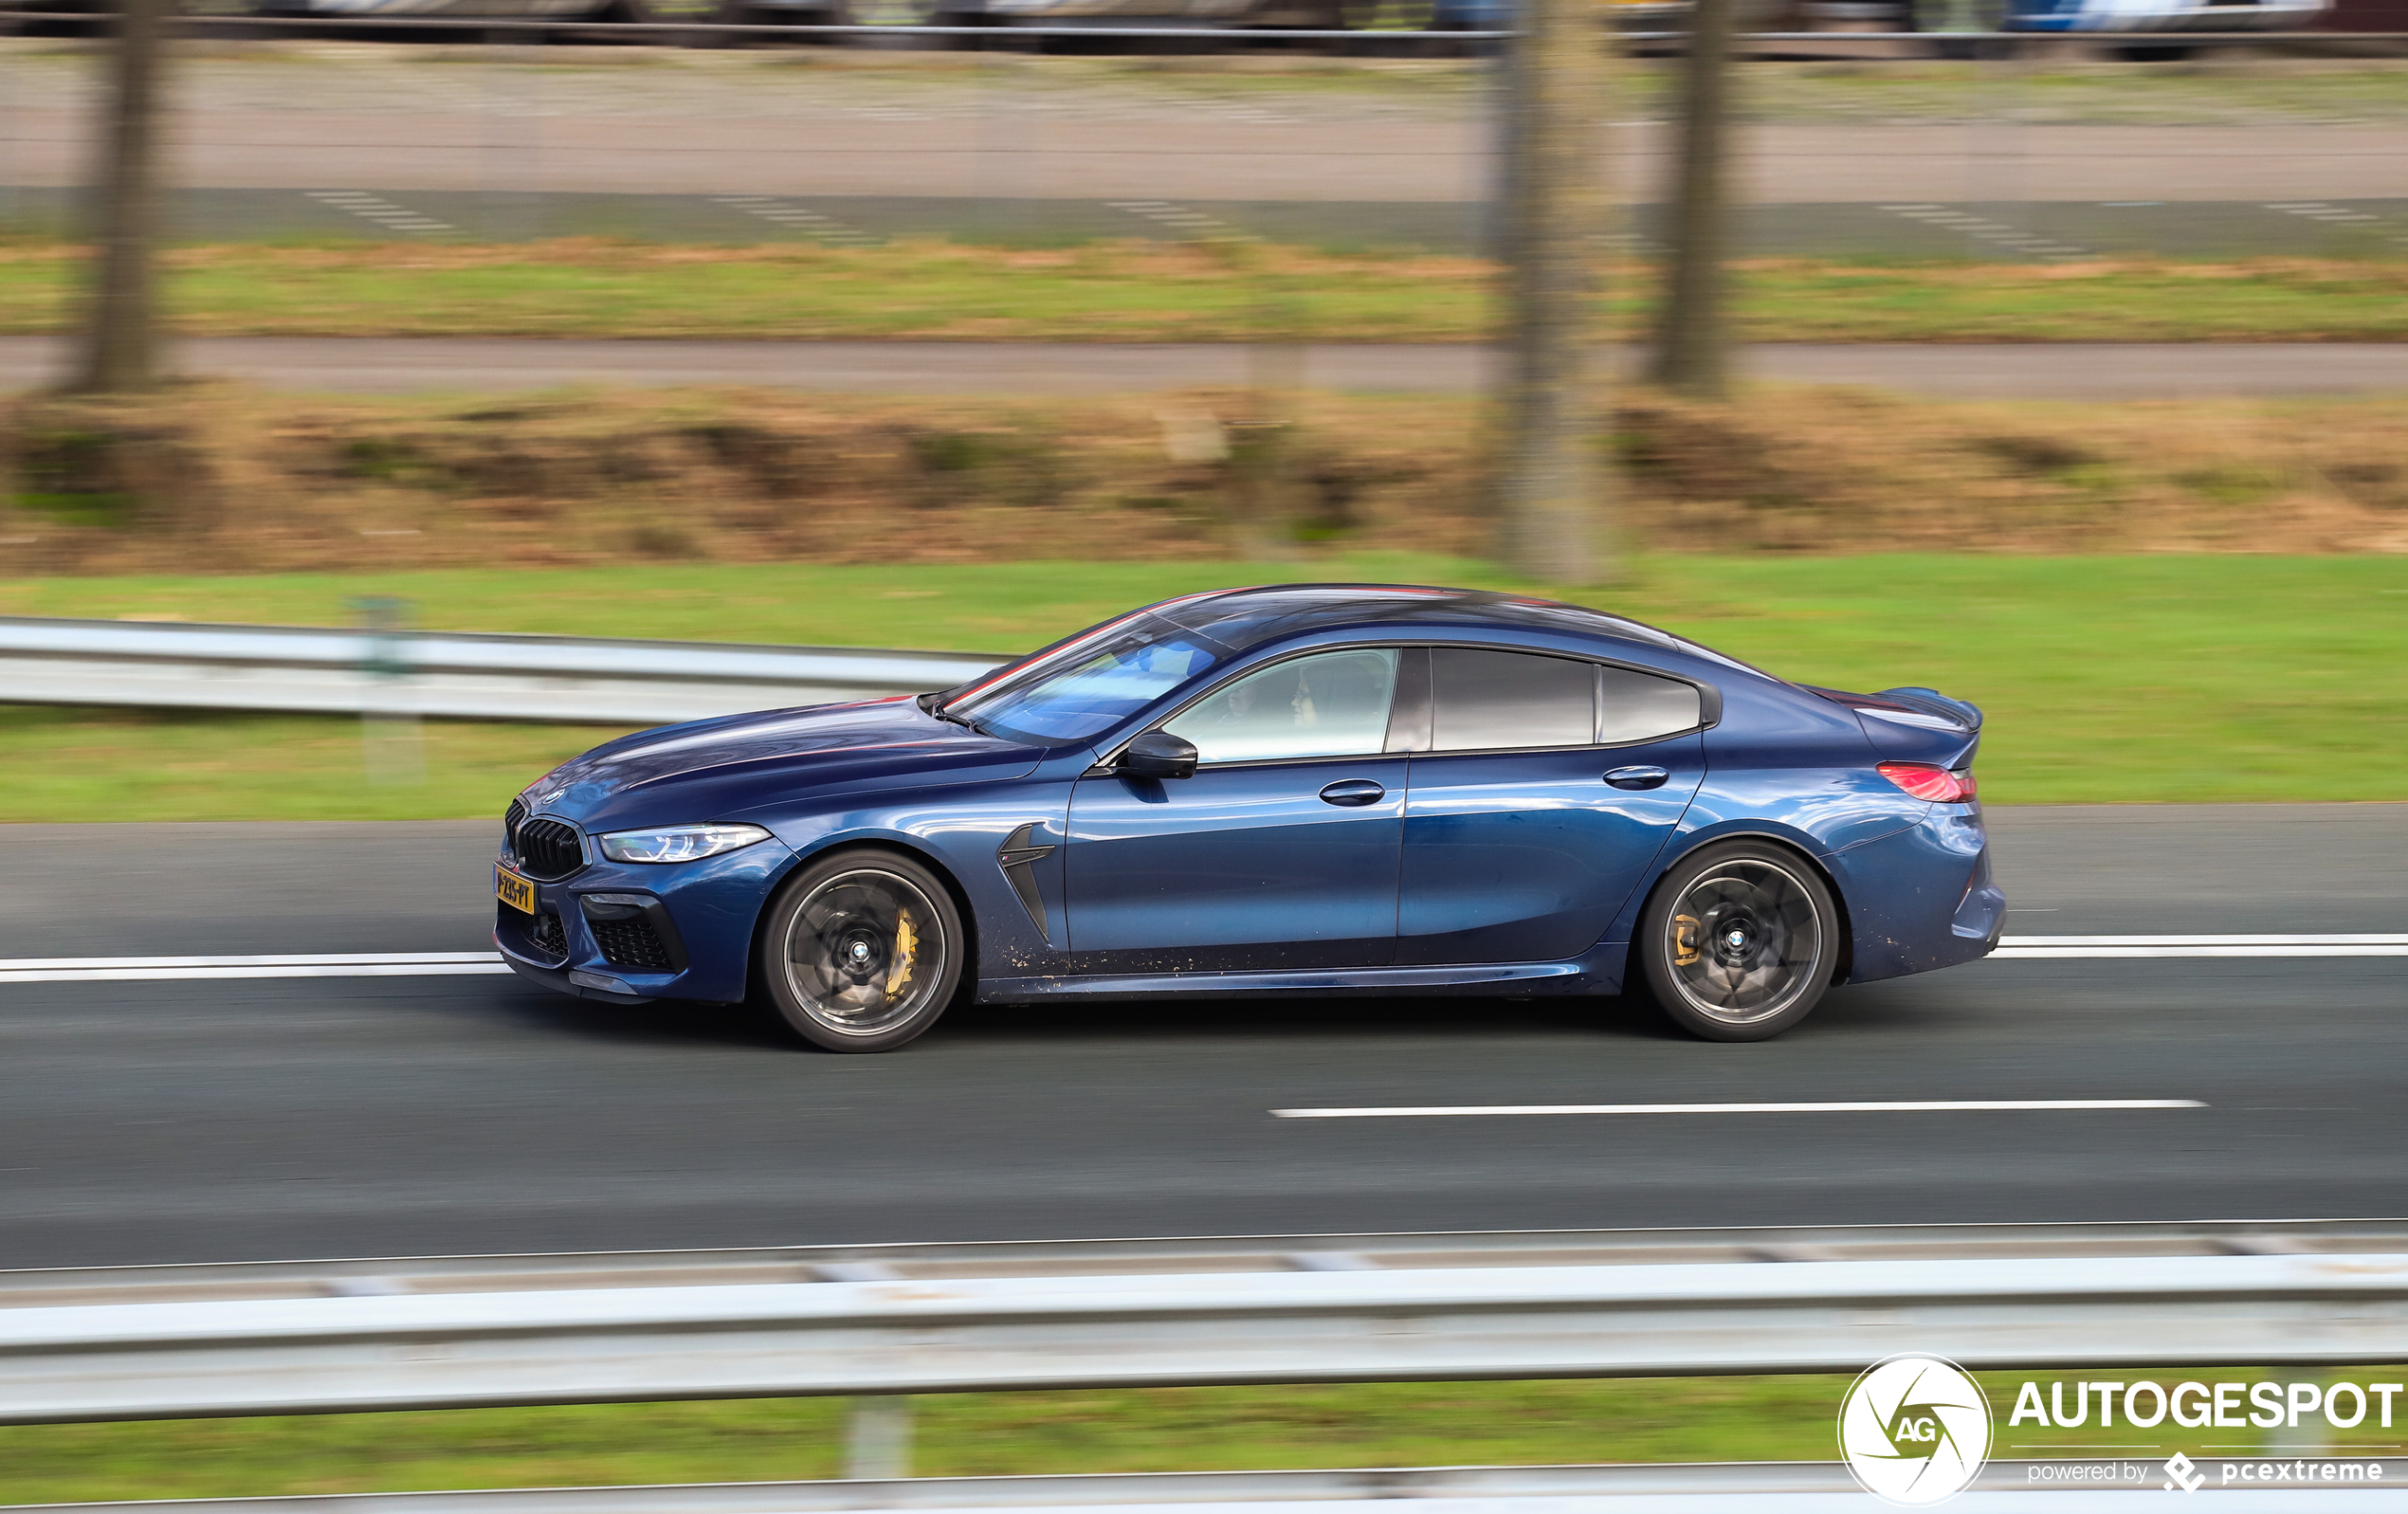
point(968, 722)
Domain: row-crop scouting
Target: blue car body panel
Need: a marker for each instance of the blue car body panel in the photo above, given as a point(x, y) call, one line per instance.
point(1236, 870)
point(1520, 871)
point(1513, 857)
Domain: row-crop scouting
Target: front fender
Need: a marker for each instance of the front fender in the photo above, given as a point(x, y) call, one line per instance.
point(959, 832)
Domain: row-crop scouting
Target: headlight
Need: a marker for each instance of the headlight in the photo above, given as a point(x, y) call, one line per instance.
point(677, 843)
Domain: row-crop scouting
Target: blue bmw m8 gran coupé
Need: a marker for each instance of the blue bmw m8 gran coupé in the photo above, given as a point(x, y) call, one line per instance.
point(1309, 787)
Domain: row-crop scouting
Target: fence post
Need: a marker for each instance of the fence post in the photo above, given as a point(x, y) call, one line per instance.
point(392, 748)
point(878, 1438)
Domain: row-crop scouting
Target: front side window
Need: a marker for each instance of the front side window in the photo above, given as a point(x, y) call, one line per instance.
point(1482, 700)
point(1325, 704)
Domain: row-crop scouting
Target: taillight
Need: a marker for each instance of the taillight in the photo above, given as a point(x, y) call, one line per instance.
point(1925, 781)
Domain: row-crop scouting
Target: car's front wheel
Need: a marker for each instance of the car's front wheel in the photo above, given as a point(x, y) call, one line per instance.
point(1739, 942)
point(863, 951)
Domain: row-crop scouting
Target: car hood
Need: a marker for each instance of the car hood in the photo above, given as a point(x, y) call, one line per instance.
point(717, 769)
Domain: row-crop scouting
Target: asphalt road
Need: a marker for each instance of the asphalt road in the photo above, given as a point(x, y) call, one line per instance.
point(406, 365)
point(606, 139)
point(183, 1120)
point(1968, 221)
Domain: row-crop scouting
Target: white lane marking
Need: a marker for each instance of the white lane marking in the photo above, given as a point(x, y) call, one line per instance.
point(322, 964)
point(2045, 954)
point(825, 229)
point(160, 975)
point(1179, 218)
point(2332, 215)
point(2059, 947)
point(15, 964)
point(1996, 232)
point(1881, 1108)
point(2319, 211)
point(383, 211)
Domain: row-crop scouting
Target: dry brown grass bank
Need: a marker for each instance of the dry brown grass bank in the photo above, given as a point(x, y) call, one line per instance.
point(220, 477)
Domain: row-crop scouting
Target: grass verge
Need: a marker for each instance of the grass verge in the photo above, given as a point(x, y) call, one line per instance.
point(2107, 680)
point(974, 1435)
point(1132, 291)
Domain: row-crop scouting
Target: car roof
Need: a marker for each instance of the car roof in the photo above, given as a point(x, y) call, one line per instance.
point(1239, 619)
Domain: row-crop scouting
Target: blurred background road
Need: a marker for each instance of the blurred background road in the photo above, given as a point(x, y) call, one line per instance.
point(192, 1120)
point(593, 122)
point(503, 143)
point(473, 365)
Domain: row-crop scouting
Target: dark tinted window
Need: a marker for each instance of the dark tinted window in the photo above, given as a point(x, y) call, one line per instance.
point(1638, 706)
point(1481, 699)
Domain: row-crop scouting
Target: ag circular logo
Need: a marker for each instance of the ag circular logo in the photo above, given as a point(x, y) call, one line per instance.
point(1915, 1429)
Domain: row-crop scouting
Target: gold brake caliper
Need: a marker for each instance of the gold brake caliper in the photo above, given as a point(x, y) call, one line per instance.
point(1684, 940)
point(906, 948)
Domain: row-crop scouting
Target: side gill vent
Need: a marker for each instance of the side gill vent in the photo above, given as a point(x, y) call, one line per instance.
point(1019, 855)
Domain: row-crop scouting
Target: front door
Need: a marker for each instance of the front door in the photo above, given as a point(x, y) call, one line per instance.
point(1281, 852)
point(1519, 848)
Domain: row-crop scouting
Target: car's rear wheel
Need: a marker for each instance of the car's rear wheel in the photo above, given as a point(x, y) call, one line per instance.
point(862, 952)
point(1739, 942)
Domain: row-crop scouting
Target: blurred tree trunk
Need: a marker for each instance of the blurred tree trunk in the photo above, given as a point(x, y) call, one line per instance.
point(1691, 342)
point(120, 347)
point(1551, 480)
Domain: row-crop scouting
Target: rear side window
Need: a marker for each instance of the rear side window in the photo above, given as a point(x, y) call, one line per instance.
point(1640, 706)
point(1484, 699)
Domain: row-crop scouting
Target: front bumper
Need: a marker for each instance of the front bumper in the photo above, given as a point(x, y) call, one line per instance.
point(700, 916)
point(583, 984)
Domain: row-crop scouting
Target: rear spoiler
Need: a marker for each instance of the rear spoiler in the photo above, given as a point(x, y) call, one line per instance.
point(1927, 708)
point(1932, 702)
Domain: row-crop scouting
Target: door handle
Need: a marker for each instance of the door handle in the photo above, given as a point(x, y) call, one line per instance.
point(1353, 791)
point(1637, 778)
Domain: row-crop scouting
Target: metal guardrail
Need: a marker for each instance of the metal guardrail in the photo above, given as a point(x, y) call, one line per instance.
point(89, 1345)
point(491, 677)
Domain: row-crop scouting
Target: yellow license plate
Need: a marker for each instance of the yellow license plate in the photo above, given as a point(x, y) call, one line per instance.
point(513, 890)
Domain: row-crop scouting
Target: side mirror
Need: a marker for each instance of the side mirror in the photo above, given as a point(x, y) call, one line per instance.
point(1159, 755)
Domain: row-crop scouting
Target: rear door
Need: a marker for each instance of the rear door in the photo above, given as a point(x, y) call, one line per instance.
point(1544, 789)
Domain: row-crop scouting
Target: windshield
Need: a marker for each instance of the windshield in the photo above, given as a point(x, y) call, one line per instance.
point(1088, 685)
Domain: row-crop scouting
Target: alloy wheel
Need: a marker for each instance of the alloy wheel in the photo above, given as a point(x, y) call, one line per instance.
point(1746, 941)
point(866, 952)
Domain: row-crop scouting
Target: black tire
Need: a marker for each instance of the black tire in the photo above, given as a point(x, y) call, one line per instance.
point(863, 951)
point(1739, 942)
